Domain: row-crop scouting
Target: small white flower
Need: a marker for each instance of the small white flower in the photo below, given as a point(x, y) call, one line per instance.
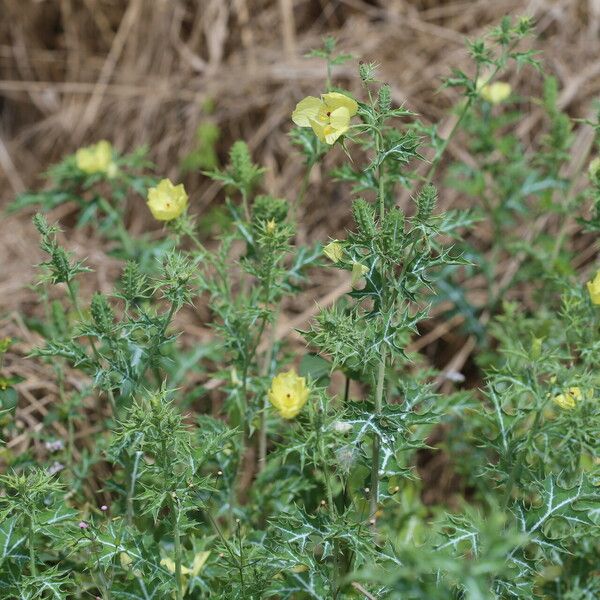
point(341, 426)
point(55, 446)
point(454, 376)
point(55, 468)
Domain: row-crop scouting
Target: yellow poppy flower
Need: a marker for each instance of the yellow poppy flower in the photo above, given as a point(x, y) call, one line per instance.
point(334, 251)
point(494, 93)
point(288, 393)
point(187, 572)
point(329, 116)
point(594, 289)
point(97, 158)
point(167, 201)
point(358, 271)
point(568, 399)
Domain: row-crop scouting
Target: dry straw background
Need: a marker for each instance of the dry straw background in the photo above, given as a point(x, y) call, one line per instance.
point(139, 71)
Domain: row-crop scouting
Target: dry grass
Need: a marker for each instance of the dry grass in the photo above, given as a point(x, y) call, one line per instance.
point(138, 72)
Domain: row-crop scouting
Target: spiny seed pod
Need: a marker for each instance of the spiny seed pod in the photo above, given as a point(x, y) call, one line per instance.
point(393, 224)
point(41, 224)
point(101, 313)
point(385, 98)
point(392, 235)
point(367, 72)
point(426, 203)
point(133, 282)
point(364, 217)
point(268, 208)
point(60, 264)
point(241, 161)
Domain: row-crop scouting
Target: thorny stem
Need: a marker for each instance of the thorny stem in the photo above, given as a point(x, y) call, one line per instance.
point(121, 231)
point(131, 489)
point(262, 442)
point(376, 442)
point(75, 302)
point(380, 375)
point(439, 155)
point(241, 562)
point(113, 404)
point(74, 299)
point(437, 159)
point(330, 504)
point(32, 565)
point(245, 205)
point(321, 447)
point(518, 464)
point(177, 538)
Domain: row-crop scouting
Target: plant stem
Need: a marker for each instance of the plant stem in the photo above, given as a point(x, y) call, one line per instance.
point(376, 442)
point(177, 538)
point(245, 205)
point(121, 230)
point(518, 465)
point(75, 302)
point(32, 565)
point(335, 575)
point(241, 563)
point(131, 490)
point(381, 371)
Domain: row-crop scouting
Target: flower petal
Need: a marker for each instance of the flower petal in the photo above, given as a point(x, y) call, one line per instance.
point(331, 134)
point(319, 128)
point(340, 118)
point(336, 100)
point(306, 110)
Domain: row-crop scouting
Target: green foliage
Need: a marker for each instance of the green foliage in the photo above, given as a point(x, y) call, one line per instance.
point(168, 498)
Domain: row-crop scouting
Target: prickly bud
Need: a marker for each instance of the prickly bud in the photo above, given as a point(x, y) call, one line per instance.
point(364, 217)
point(102, 313)
point(385, 98)
point(267, 208)
point(133, 282)
point(426, 203)
point(392, 235)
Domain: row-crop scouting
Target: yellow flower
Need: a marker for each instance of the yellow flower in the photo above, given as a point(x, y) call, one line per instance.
point(358, 271)
point(334, 251)
point(329, 116)
point(568, 399)
point(167, 201)
point(288, 393)
point(594, 289)
point(199, 561)
point(494, 93)
point(97, 158)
